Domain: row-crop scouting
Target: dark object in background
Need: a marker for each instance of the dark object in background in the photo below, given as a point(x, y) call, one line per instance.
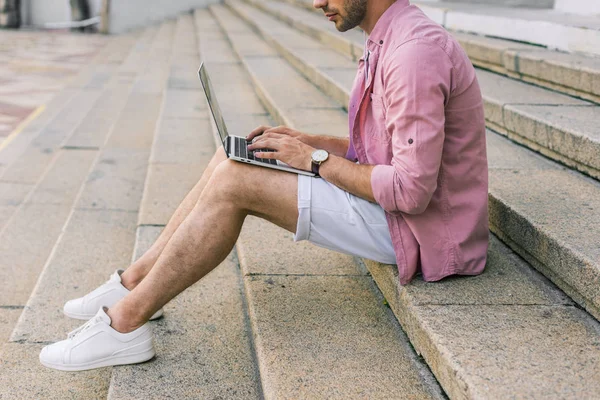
point(80, 10)
point(10, 13)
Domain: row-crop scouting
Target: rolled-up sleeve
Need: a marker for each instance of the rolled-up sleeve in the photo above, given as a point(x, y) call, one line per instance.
point(417, 84)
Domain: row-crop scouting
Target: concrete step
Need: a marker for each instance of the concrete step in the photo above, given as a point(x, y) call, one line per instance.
point(550, 28)
point(93, 129)
point(507, 333)
point(97, 238)
point(94, 243)
point(31, 232)
point(86, 108)
point(521, 307)
point(19, 143)
point(181, 150)
point(35, 212)
point(202, 343)
point(62, 113)
point(555, 125)
point(574, 74)
point(303, 349)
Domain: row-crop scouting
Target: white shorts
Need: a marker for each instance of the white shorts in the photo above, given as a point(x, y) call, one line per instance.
point(337, 220)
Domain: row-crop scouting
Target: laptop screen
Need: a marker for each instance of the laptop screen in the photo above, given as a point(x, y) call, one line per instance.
point(212, 103)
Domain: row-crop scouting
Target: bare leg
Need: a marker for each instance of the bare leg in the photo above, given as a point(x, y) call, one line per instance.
point(208, 234)
point(134, 274)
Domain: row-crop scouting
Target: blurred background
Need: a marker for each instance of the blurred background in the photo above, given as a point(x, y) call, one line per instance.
point(91, 15)
point(116, 16)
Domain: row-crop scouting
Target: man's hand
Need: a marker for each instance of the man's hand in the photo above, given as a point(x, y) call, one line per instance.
point(283, 130)
point(295, 149)
point(287, 147)
point(334, 145)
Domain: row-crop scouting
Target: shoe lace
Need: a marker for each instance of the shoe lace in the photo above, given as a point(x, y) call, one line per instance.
point(84, 327)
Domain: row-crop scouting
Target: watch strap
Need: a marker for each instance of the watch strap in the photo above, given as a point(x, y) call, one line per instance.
point(315, 167)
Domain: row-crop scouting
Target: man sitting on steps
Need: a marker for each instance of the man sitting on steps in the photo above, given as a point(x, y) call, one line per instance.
point(409, 186)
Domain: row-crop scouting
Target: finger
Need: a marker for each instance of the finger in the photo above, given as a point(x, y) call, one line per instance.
point(281, 129)
point(257, 131)
point(266, 154)
point(272, 144)
point(269, 135)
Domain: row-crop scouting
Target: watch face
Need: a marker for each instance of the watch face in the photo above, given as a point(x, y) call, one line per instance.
point(320, 156)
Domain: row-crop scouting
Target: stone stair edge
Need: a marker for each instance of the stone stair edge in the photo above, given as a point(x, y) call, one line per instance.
point(528, 267)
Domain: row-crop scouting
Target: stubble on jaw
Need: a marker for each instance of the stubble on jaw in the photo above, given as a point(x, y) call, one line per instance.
point(355, 11)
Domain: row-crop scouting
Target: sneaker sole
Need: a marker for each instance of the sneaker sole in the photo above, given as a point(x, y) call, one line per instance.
point(106, 362)
point(85, 317)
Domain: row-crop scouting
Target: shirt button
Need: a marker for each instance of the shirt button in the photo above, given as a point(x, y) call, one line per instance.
point(381, 42)
point(410, 141)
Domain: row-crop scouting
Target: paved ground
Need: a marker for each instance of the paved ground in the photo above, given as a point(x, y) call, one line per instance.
point(34, 66)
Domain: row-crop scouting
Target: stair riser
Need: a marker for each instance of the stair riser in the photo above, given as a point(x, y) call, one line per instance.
point(545, 254)
point(580, 147)
point(526, 66)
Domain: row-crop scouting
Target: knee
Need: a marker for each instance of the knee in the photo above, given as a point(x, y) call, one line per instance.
point(219, 156)
point(228, 179)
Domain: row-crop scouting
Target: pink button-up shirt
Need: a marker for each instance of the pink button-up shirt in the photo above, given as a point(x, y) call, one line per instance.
point(418, 116)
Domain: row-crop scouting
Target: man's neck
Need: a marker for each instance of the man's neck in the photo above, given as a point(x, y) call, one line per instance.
point(375, 9)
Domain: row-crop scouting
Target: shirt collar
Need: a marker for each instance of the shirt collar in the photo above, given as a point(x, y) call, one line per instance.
point(383, 23)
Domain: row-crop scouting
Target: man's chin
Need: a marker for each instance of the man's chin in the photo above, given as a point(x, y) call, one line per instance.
point(341, 27)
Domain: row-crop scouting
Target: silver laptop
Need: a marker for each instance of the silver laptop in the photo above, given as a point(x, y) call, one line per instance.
point(236, 147)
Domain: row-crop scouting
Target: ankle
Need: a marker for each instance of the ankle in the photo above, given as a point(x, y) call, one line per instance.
point(129, 280)
point(121, 323)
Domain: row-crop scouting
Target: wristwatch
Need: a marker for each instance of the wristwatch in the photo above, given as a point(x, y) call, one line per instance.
point(318, 157)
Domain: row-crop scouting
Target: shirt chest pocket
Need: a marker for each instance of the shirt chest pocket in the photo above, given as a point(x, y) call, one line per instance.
point(375, 122)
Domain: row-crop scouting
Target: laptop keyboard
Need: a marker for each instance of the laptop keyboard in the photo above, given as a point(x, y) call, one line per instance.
point(241, 150)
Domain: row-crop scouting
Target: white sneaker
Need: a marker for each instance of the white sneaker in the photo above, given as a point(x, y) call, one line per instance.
point(96, 344)
point(106, 295)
